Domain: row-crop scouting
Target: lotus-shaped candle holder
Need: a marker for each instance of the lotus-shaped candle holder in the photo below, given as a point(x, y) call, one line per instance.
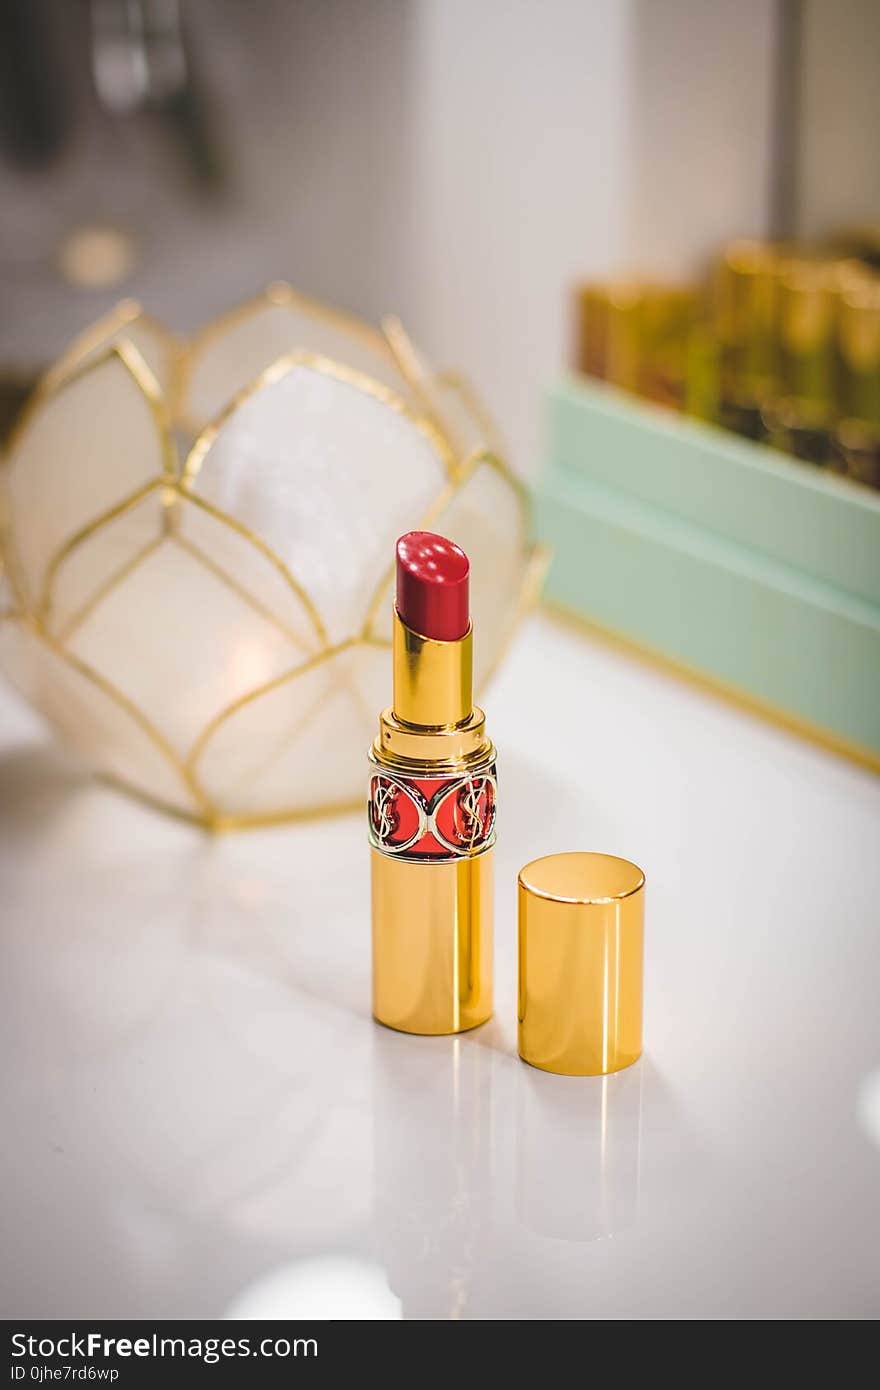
point(212, 633)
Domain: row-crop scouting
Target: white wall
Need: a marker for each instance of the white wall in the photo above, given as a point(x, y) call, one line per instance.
point(700, 159)
point(520, 136)
point(839, 165)
point(552, 141)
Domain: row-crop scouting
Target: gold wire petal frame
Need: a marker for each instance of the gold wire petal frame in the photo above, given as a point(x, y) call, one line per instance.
point(50, 386)
point(204, 812)
point(535, 566)
point(461, 385)
point(300, 669)
point(109, 331)
point(428, 386)
point(416, 400)
point(325, 366)
point(277, 294)
point(323, 698)
point(187, 492)
point(169, 486)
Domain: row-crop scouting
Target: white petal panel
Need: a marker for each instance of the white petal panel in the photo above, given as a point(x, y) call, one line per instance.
point(329, 475)
point(460, 415)
point(79, 454)
point(231, 354)
point(181, 643)
point(103, 560)
point(247, 567)
point(88, 719)
point(304, 744)
point(127, 323)
point(447, 396)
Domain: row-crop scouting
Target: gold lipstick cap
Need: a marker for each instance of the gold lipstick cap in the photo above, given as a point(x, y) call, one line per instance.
point(581, 919)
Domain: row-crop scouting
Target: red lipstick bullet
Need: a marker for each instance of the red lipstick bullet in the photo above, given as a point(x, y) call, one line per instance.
point(432, 586)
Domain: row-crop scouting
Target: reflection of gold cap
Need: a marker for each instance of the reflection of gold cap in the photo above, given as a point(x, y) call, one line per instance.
point(585, 1185)
point(580, 963)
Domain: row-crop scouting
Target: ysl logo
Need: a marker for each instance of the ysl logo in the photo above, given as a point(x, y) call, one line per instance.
point(384, 815)
point(471, 809)
point(425, 821)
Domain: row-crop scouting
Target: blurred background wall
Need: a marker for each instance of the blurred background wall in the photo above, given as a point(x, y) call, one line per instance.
point(836, 155)
point(458, 163)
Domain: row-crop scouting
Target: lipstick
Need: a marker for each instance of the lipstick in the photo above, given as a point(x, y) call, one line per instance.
point(432, 807)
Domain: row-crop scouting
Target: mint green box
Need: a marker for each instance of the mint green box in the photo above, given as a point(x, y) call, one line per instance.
point(726, 557)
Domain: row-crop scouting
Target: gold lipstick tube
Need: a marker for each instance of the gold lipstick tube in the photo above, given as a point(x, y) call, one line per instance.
point(431, 818)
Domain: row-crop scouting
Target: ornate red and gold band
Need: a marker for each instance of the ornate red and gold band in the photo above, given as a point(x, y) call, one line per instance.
point(433, 819)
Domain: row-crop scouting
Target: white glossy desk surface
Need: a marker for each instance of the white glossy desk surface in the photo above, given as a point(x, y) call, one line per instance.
point(200, 1117)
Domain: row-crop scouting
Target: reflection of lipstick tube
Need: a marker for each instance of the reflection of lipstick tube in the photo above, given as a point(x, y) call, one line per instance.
point(432, 1205)
point(431, 808)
